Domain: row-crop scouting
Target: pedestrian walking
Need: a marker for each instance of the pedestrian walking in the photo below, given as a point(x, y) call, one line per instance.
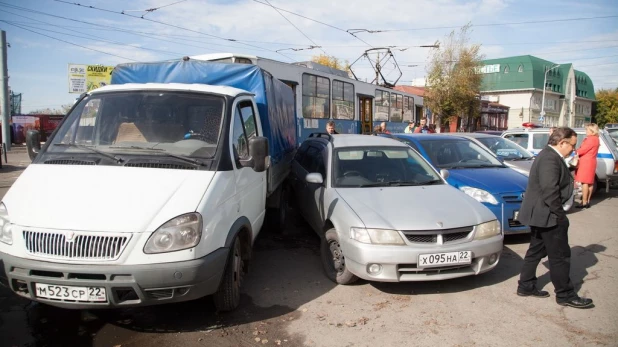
point(587, 153)
point(550, 185)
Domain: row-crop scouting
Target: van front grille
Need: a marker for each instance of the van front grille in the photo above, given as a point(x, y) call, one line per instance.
point(72, 245)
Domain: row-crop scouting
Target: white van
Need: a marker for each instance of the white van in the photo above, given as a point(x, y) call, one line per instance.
point(535, 139)
point(151, 193)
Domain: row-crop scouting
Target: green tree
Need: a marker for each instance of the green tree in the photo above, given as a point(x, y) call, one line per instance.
point(331, 61)
point(453, 84)
point(607, 106)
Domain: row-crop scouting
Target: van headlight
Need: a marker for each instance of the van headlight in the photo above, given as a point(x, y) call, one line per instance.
point(376, 236)
point(487, 230)
point(479, 195)
point(179, 233)
point(6, 234)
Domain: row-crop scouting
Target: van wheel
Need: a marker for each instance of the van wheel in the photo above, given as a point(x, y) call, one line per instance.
point(333, 260)
point(227, 297)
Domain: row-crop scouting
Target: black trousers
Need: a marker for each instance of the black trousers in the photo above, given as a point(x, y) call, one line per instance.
point(553, 243)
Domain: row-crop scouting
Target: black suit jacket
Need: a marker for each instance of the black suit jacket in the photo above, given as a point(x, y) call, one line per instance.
point(549, 186)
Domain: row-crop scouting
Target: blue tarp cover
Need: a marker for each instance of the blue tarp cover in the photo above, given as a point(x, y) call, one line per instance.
point(274, 99)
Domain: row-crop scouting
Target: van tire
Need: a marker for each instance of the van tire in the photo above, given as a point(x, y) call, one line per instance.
point(333, 260)
point(227, 297)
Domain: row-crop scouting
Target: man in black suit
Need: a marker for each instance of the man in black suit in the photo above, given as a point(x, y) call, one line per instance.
point(550, 185)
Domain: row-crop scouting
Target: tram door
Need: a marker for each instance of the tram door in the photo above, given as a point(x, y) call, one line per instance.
point(366, 114)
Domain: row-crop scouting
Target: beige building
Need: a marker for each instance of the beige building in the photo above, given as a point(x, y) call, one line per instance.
point(518, 82)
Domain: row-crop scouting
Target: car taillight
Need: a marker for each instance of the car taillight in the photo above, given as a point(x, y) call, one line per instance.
point(616, 167)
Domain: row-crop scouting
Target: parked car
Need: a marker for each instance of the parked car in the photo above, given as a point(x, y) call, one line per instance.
point(384, 213)
point(511, 154)
point(477, 172)
point(490, 132)
point(534, 140)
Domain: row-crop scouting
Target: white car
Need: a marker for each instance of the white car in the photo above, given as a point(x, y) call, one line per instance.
point(535, 139)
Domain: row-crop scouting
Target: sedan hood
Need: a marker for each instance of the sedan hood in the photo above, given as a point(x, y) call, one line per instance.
point(103, 198)
point(494, 180)
point(415, 208)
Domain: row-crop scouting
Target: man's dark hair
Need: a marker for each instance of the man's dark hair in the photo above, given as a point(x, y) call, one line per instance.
point(561, 133)
point(330, 122)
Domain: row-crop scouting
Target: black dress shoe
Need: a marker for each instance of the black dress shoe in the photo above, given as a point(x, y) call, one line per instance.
point(577, 302)
point(582, 206)
point(535, 293)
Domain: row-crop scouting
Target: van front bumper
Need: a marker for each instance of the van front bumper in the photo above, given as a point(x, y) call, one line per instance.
point(125, 285)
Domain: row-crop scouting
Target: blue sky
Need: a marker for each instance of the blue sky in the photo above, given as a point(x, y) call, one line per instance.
point(38, 64)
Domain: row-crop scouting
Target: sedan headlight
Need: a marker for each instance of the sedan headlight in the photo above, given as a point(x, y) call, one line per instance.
point(480, 195)
point(179, 233)
point(376, 236)
point(6, 234)
point(487, 230)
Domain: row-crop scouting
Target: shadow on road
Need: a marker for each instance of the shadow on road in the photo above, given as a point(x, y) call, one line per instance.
point(285, 274)
point(582, 258)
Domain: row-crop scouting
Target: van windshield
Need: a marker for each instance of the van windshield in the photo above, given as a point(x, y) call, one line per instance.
point(143, 122)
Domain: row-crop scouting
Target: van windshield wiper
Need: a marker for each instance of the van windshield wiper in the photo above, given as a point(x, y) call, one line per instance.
point(399, 183)
point(93, 150)
point(163, 152)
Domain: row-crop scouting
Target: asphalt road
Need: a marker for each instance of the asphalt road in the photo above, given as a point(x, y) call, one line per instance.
point(287, 301)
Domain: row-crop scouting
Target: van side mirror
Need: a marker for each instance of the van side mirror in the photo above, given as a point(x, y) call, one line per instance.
point(444, 173)
point(258, 154)
point(33, 143)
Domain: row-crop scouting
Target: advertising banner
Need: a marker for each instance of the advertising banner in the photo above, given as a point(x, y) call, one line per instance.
point(84, 78)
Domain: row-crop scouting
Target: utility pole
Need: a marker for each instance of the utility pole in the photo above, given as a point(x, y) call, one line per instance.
point(4, 94)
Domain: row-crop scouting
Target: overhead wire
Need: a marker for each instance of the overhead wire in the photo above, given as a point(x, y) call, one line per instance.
point(133, 32)
point(167, 24)
point(71, 43)
point(315, 45)
point(496, 24)
point(90, 36)
point(317, 21)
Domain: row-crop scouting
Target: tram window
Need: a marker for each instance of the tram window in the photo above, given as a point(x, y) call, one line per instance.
point(396, 108)
point(382, 103)
point(343, 100)
point(408, 109)
point(316, 97)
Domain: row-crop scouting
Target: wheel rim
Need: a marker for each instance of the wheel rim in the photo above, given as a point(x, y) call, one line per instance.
point(336, 256)
point(237, 261)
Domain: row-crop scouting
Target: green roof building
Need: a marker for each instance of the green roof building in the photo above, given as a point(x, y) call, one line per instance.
point(522, 82)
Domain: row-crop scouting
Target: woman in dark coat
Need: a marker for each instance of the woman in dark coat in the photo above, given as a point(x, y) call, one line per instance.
point(587, 166)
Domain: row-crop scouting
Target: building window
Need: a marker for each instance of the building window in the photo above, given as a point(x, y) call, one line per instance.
point(382, 102)
point(316, 97)
point(520, 68)
point(506, 69)
point(343, 100)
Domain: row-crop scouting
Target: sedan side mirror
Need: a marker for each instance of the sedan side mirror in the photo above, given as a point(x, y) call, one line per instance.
point(33, 143)
point(314, 177)
point(444, 173)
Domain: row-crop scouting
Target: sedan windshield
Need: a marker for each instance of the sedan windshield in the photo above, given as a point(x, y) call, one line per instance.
point(381, 166)
point(505, 149)
point(458, 154)
point(167, 123)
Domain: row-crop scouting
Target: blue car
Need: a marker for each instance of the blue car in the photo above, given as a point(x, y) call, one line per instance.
point(476, 172)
